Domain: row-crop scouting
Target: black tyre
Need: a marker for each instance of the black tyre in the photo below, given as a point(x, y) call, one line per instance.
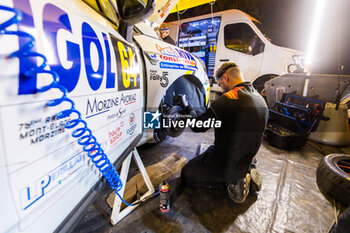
point(333, 177)
point(159, 135)
point(173, 115)
point(259, 83)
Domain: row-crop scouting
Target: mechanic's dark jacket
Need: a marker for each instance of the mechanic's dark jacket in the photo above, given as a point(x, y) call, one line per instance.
point(243, 113)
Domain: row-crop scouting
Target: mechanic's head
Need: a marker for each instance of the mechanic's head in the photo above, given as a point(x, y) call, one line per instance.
point(228, 76)
point(164, 30)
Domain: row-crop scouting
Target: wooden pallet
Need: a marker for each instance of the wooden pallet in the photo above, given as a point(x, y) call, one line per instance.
point(157, 172)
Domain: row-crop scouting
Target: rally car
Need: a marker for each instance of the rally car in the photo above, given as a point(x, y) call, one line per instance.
point(115, 75)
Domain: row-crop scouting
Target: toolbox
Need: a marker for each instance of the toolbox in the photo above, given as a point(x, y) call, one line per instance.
point(291, 120)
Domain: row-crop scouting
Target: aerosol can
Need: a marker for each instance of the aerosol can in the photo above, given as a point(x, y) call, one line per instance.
point(164, 197)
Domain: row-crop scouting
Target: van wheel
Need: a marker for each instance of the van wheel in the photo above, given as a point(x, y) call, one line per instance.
point(333, 177)
point(259, 83)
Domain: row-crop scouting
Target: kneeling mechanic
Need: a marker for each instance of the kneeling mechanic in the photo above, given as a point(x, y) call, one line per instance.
point(243, 114)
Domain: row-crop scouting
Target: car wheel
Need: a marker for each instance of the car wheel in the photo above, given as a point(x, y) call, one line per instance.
point(159, 135)
point(173, 115)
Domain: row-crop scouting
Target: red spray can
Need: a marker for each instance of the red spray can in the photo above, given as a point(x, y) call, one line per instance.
point(164, 196)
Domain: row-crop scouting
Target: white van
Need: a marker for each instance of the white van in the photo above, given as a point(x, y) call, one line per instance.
point(112, 72)
point(233, 36)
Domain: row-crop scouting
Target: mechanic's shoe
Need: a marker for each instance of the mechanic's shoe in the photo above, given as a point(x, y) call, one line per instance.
point(238, 192)
point(256, 180)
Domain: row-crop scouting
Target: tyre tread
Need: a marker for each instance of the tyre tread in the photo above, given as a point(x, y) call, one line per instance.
point(330, 182)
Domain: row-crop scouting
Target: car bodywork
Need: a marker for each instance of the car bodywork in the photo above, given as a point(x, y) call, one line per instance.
point(45, 175)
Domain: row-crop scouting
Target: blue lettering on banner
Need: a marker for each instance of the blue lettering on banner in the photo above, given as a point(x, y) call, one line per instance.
point(97, 106)
point(55, 19)
point(110, 75)
point(89, 37)
point(169, 65)
point(57, 176)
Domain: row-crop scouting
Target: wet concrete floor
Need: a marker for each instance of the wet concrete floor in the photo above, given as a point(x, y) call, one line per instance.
point(289, 201)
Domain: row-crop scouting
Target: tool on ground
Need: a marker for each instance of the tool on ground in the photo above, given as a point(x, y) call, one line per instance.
point(164, 196)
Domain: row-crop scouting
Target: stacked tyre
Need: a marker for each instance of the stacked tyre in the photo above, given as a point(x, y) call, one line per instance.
point(333, 177)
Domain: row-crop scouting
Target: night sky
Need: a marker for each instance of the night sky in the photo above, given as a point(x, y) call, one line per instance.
point(288, 23)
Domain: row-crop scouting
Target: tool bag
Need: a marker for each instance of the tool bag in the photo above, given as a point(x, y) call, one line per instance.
point(291, 120)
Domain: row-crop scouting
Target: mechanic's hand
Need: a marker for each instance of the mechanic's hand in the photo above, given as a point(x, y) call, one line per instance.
point(181, 101)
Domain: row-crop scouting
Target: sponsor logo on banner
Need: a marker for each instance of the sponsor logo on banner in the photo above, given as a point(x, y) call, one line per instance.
point(53, 179)
point(163, 79)
point(154, 56)
point(98, 106)
point(132, 124)
point(116, 135)
point(70, 45)
point(172, 58)
point(118, 114)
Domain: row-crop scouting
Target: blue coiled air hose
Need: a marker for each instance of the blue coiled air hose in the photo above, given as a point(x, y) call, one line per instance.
point(82, 132)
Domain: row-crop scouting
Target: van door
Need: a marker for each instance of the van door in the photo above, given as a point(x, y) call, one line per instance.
point(239, 43)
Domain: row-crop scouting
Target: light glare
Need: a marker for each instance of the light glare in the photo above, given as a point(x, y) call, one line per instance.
point(314, 33)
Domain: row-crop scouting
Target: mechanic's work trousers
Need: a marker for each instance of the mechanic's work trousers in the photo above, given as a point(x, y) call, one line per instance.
point(206, 170)
point(199, 173)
